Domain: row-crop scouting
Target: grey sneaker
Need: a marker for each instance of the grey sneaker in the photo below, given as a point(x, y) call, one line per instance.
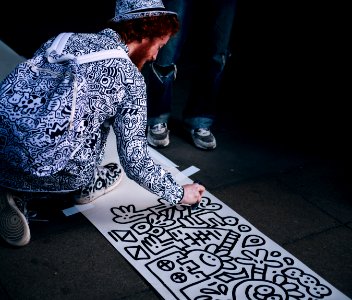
point(106, 178)
point(203, 138)
point(158, 135)
point(14, 228)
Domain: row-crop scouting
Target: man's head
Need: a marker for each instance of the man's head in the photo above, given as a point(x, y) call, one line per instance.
point(145, 26)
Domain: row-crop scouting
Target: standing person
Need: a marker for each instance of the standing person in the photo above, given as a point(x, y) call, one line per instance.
point(116, 97)
point(213, 28)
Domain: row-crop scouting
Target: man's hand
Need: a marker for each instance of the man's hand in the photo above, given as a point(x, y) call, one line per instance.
point(192, 193)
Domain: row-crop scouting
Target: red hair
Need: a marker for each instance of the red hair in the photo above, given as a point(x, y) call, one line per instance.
point(148, 27)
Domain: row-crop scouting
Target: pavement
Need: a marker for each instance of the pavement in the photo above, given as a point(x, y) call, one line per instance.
point(281, 163)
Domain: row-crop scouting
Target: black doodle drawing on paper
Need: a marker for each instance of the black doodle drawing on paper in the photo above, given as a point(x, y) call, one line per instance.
point(205, 254)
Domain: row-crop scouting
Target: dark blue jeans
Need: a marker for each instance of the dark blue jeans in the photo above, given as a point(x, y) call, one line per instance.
point(211, 34)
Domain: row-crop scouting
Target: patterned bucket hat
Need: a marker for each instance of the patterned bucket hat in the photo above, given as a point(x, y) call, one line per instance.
point(135, 9)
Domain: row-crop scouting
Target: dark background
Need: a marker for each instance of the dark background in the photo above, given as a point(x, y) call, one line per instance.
point(285, 83)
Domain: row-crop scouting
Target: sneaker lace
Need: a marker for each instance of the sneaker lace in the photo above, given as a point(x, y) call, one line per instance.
point(159, 128)
point(203, 131)
point(22, 199)
point(22, 206)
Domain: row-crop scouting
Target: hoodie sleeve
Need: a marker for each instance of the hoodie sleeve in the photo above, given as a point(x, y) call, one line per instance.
point(130, 127)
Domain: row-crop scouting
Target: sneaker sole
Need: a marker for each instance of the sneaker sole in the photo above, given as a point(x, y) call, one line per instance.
point(109, 189)
point(203, 146)
point(14, 228)
point(163, 144)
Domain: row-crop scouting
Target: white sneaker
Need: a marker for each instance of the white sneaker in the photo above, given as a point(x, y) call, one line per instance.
point(14, 228)
point(105, 180)
point(203, 138)
point(158, 135)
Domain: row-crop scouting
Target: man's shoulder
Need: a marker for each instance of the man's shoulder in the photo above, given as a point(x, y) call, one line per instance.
point(84, 43)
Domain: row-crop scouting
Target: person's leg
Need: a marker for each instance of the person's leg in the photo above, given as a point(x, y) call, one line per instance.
point(160, 76)
point(83, 178)
point(84, 172)
point(212, 54)
point(104, 178)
